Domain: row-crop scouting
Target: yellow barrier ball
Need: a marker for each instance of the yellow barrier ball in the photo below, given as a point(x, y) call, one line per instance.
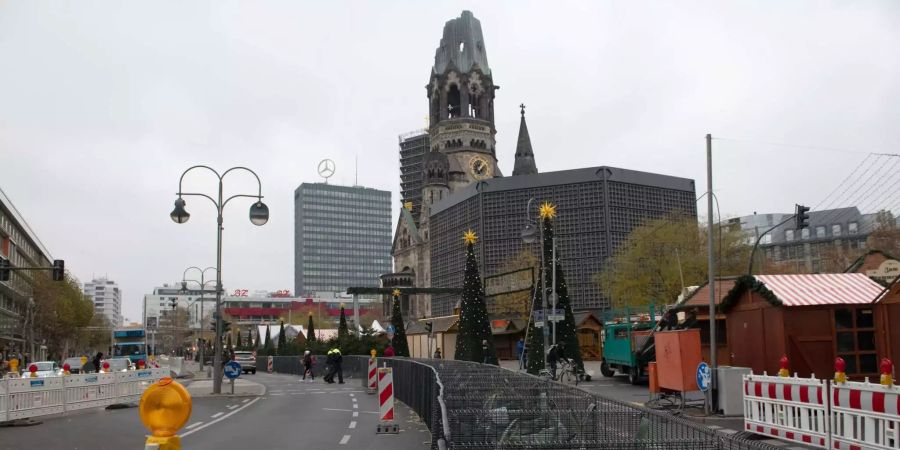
point(165, 407)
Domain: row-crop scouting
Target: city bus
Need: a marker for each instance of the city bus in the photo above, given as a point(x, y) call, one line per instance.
point(131, 343)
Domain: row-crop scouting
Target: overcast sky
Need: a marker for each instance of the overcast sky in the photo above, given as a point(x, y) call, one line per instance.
point(104, 104)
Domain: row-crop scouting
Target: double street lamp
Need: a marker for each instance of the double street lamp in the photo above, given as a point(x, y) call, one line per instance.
point(202, 283)
point(259, 215)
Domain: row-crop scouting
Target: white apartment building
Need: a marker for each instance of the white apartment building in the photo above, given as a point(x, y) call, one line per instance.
point(107, 299)
point(158, 305)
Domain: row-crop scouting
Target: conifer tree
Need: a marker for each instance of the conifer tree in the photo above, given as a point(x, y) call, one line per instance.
point(343, 331)
point(310, 330)
point(401, 346)
point(268, 347)
point(475, 341)
point(240, 344)
point(282, 339)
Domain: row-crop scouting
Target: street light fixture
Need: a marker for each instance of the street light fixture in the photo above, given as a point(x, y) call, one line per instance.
point(259, 215)
point(529, 236)
point(202, 284)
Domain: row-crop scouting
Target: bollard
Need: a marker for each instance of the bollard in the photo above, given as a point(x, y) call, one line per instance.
point(386, 402)
point(372, 385)
point(839, 367)
point(270, 364)
point(784, 372)
point(33, 369)
point(887, 367)
point(66, 368)
point(165, 408)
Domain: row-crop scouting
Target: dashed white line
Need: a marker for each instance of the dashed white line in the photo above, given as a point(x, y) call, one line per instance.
point(193, 425)
point(186, 433)
point(217, 414)
point(345, 439)
point(355, 405)
point(232, 406)
point(352, 424)
point(355, 413)
point(245, 400)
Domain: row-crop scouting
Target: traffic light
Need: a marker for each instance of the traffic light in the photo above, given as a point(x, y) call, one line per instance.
point(173, 303)
point(4, 269)
point(59, 270)
point(802, 217)
point(226, 327)
point(429, 326)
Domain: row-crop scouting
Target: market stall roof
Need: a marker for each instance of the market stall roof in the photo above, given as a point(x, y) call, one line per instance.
point(700, 296)
point(439, 325)
point(808, 290)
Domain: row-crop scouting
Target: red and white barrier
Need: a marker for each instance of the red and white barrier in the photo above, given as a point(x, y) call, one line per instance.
point(372, 385)
point(790, 408)
point(270, 364)
point(386, 401)
point(865, 416)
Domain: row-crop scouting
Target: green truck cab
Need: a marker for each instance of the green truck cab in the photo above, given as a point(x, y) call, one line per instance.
point(627, 344)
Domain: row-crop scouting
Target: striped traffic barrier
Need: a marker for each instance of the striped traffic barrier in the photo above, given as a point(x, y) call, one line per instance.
point(864, 415)
point(270, 364)
point(793, 409)
point(372, 385)
point(386, 402)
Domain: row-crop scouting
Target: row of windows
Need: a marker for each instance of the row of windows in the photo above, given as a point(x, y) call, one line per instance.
point(361, 259)
point(318, 248)
point(18, 238)
point(837, 230)
point(307, 232)
point(310, 192)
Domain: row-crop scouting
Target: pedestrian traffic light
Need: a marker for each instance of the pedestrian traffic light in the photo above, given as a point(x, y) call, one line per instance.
point(802, 217)
point(59, 270)
point(4, 269)
point(429, 325)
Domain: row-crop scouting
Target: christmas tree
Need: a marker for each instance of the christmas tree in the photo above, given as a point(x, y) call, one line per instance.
point(310, 330)
point(282, 340)
point(240, 344)
point(250, 340)
point(565, 329)
point(474, 341)
point(268, 347)
point(401, 347)
point(343, 331)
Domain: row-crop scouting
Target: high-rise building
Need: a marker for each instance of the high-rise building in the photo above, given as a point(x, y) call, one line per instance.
point(342, 237)
point(413, 147)
point(107, 299)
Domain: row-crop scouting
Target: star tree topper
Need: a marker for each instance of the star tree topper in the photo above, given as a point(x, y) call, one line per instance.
point(469, 237)
point(396, 293)
point(548, 210)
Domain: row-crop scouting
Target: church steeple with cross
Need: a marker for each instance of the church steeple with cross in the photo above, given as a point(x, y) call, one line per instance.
point(524, 154)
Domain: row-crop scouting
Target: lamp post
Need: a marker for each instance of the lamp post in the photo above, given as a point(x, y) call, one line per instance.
point(202, 283)
point(259, 215)
point(529, 236)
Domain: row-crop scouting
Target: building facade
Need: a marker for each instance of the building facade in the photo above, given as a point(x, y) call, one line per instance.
point(833, 240)
point(342, 237)
point(596, 210)
point(22, 248)
point(413, 147)
point(107, 299)
point(158, 312)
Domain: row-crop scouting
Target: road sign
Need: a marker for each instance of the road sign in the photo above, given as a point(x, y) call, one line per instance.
point(557, 315)
point(704, 376)
point(232, 370)
point(390, 329)
point(538, 315)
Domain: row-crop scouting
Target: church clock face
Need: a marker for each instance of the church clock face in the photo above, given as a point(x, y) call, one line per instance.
point(480, 168)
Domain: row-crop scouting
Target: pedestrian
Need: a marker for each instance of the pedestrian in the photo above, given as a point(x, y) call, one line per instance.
point(484, 351)
point(437, 353)
point(307, 366)
point(338, 366)
point(389, 351)
point(554, 355)
point(520, 352)
point(98, 358)
point(329, 367)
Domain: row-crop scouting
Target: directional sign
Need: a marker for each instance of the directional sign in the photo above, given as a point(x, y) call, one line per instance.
point(232, 370)
point(538, 315)
point(557, 315)
point(704, 377)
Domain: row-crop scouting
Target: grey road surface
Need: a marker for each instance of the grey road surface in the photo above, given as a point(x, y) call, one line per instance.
point(290, 415)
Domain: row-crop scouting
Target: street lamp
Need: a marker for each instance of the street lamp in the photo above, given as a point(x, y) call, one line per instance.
point(529, 236)
point(259, 215)
point(202, 284)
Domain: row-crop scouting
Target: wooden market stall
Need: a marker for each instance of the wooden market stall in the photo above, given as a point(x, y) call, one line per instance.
point(887, 309)
point(588, 327)
point(694, 313)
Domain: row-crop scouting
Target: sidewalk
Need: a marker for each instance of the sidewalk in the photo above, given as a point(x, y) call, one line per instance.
point(242, 388)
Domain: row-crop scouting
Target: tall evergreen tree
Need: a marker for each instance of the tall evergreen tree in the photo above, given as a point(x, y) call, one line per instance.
point(565, 330)
point(282, 339)
point(229, 346)
point(240, 344)
point(310, 330)
point(401, 346)
point(250, 340)
point(268, 347)
point(475, 341)
point(343, 331)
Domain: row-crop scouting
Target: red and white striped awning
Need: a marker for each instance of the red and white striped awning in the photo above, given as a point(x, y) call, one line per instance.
point(822, 289)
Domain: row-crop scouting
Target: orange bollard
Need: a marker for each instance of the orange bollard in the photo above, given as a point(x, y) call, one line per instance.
point(784, 372)
point(887, 369)
point(839, 367)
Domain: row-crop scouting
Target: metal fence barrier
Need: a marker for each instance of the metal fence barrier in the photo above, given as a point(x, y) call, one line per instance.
point(22, 398)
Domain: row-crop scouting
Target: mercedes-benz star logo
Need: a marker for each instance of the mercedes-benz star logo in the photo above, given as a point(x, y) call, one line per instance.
point(326, 168)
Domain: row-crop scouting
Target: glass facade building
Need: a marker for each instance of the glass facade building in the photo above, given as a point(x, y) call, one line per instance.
point(342, 237)
point(413, 147)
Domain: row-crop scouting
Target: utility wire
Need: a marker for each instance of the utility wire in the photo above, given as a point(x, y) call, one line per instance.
point(809, 147)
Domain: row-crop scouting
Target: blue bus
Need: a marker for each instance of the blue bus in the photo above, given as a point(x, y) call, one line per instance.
point(131, 343)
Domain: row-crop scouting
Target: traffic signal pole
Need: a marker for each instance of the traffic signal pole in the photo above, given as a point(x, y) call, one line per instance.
point(711, 261)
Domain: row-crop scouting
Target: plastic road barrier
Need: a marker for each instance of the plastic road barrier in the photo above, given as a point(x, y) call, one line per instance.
point(372, 385)
point(793, 409)
point(270, 364)
point(865, 416)
point(386, 402)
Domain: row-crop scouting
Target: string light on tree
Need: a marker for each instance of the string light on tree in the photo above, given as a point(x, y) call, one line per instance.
point(401, 346)
point(475, 341)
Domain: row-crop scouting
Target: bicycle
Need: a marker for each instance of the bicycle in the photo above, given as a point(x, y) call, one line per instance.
point(568, 373)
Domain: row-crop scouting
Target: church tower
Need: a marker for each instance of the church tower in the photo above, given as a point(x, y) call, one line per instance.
point(461, 103)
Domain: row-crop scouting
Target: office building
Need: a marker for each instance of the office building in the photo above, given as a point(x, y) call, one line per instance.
point(158, 312)
point(342, 237)
point(413, 147)
point(107, 299)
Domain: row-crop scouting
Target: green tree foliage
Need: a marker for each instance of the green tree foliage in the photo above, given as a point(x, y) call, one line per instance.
point(240, 343)
point(250, 343)
point(60, 313)
point(282, 339)
point(228, 345)
point(399, 342)
point(648, 266)
point(474, 325)
point(269, 347)
point(515, 305)
point(343, 331)
point(310, 330)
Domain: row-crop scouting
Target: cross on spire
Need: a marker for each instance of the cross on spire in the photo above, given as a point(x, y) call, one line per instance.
point(522, 105)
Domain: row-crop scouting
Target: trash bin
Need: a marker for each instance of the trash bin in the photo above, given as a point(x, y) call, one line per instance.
point(731, 389)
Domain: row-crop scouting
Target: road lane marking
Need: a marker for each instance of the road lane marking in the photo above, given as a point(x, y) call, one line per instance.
point(352, 424)
point(217, 414)
point(245, 400)
point(193, 425)
point(345, 439)
point(220, 418)
point(232, 406)
point(355, 413)
point(355, 405)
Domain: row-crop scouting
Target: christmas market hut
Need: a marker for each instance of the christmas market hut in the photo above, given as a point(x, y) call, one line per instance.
point(812, 319)
point(443, 331)
point(887, 310)
point(588, 327)
point(693, 312)
point(506, 333)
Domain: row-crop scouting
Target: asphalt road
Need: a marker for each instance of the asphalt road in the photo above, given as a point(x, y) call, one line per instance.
point(290, 415)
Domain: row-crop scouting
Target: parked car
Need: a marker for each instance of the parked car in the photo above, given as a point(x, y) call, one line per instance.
point(118, 364)
point(45, 369)
point(247, 360)
point(74, 363)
